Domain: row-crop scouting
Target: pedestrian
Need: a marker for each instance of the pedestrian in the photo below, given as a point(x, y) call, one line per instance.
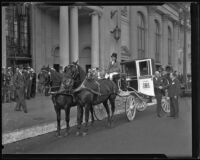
point(158, 92)
point(174, 92)
point(19, 83)
point(29, 82)
point(33, 88)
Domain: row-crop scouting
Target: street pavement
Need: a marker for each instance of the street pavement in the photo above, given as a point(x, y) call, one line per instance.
point(146, 134)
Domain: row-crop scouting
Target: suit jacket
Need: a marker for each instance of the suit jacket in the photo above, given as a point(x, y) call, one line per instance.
point(157, 82)
point(19, 80)
point(174, 88)
point(114, 67)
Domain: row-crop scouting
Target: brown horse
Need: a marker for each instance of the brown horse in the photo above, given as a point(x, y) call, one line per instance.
point(93, 92)
point(62, 95)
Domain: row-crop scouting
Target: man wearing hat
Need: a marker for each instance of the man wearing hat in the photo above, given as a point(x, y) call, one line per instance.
point(113, 67)
point(19, 83)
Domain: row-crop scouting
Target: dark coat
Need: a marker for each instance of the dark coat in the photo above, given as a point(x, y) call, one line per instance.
point(174, 88)
point(114, 67)
point(157, 82)
point(19, 80)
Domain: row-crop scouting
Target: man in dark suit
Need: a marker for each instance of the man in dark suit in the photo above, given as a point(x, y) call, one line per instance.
point(19, 83)
point(158, 91)
point(174, 92)
point(113, 67)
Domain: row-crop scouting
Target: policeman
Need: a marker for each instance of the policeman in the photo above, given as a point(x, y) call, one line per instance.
point(19, 83)
point(33, 87)
point(174, 92)
point(158, 91)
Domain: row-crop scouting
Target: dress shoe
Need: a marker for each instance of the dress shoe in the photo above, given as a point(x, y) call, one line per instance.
point(25, 111)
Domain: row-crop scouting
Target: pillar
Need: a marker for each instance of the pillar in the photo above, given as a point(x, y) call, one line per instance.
point(64, 36)
point(95, 39)
point(74, 50)
point(164, 54)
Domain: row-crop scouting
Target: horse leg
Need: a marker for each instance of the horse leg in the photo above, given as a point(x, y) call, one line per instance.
point(67, 117)
point(58, 111)
point(79, 119)
point(105, 103)
point(87, 108)
point(92, 115)
point(112, 102)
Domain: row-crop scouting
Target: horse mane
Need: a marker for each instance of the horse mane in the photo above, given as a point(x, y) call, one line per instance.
point(82, 73)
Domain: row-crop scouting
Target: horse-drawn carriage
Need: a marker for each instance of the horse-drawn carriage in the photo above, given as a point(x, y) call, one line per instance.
point(76, 88)
point(136, 88)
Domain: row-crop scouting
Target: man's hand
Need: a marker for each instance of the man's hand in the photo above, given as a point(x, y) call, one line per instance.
point(175, 97)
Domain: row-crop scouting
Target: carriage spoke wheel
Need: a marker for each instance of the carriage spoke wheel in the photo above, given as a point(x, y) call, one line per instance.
point(165, 105)
point(130, 107)
point(141, 105)
point(100, 111)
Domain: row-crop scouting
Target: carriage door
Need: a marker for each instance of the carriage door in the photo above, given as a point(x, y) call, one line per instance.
point(145, 77)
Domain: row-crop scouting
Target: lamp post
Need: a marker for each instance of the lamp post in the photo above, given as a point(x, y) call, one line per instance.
point(183, 16)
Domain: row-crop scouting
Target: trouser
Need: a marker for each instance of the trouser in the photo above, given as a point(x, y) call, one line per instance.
point(174, 108)
point(20, 99)
point(29, 89)
point(158, 99)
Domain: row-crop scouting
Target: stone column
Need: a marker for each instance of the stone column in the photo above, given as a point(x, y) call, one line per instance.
point(175, 46)
point(3, 38)
point(164, 54)
point(74, 50)
point(95, 39)
point(64, 36)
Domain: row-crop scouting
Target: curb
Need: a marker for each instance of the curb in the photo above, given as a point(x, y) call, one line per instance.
point(38, 130)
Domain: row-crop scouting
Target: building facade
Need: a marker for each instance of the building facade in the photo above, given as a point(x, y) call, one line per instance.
point(59, 35)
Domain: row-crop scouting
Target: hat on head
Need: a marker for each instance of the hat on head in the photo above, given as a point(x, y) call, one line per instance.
point(114, 55)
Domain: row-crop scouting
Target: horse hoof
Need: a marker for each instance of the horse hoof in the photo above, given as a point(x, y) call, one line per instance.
point(78, 133)
point(84, 133)
point(58, 135)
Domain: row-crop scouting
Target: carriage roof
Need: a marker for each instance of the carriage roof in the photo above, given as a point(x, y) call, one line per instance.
point(134, 60)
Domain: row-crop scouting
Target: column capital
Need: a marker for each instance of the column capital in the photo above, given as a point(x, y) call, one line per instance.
point(96, 13)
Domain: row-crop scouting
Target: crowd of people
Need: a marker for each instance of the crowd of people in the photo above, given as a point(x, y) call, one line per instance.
point(9, 85)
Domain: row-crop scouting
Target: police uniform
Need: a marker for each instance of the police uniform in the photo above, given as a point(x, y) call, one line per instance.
point(158, 93)
point(174, 92)
point(19, 83)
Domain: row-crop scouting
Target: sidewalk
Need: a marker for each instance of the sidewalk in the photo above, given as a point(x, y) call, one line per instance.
point(40, 119)
point(40, 110)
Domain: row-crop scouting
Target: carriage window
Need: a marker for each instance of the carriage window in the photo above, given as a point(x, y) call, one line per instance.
point(145, 68)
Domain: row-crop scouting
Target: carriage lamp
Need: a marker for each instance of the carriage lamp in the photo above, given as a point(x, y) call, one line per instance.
point(116, 33)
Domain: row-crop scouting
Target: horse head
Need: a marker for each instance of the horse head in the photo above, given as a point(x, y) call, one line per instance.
point(72, 75)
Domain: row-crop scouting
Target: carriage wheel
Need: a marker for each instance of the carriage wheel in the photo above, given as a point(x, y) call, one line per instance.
point(141, 105)
point(165, 104)
point(100, 111)
point(130, 107)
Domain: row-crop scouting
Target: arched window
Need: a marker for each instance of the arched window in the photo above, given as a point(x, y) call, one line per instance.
point(141, 36)
point(169, 46)
point(157, 41)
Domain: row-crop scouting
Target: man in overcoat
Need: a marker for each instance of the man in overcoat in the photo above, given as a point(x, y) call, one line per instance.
point(19, 83)
point(158, 91)
point(113, 67)
point(174, 92)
